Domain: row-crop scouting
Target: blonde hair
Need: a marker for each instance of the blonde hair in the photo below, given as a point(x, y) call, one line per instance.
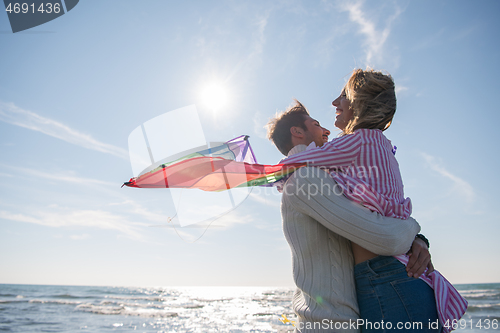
point(373, 100)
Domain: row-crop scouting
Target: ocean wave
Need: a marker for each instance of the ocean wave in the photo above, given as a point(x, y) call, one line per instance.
point(273, 299)
point(484, 308)
point(137, 305)
point(11, 295)
point(193, 306)
point(483, 296)
point(263, 314)
point(125, 311)
point(54, 301)
point(154, 302)
point(485, 318)
point(140, 298)
point(207, 300)
point(105, 291)
point(69, 296)
point(7, 301)
point(142, 292)
point(149, 305)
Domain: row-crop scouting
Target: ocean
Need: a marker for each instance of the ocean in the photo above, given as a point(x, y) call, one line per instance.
point(47, 308)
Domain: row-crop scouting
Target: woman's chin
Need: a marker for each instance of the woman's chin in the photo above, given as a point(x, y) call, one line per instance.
point(339, 125)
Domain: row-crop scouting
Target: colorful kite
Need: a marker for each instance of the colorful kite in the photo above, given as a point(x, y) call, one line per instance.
point(226, 166)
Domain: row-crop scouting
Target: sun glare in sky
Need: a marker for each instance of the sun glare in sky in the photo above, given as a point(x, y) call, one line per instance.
point(214, 96)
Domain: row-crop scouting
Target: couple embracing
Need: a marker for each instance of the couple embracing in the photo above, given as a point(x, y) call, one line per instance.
point(359, 263)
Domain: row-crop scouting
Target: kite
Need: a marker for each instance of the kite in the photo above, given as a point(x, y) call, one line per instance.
point(226, 166)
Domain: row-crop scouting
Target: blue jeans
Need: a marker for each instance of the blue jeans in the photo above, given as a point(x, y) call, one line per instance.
point(391, 301)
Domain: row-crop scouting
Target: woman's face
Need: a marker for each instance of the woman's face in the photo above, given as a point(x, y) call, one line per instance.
point(343, 111)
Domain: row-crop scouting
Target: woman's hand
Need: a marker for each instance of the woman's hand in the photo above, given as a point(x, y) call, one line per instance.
point(420, 259)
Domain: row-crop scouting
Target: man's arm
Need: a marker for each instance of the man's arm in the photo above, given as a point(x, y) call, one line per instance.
point(420, 259)
point(313, 192)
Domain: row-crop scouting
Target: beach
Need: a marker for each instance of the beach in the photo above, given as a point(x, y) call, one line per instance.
point(47, 308)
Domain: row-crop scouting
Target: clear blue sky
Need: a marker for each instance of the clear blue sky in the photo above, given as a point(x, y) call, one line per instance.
point(73, 89)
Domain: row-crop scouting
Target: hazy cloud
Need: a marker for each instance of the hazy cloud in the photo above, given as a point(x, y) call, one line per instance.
point(274, 200)
point(135, 207)
point(79, 237)
point(461, 186)
point(400, 88)
point(14, 115)
point(258, 40)
point(212, 214)
point(6, 175)
point(259, 123)
point(375, 37)
point(78, 218)
point(64, 178)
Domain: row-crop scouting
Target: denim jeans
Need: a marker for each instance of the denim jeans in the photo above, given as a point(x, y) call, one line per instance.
point(390, 301)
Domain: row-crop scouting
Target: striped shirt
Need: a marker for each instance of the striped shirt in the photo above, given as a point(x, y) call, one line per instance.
point(364, 166)
point(451, 306)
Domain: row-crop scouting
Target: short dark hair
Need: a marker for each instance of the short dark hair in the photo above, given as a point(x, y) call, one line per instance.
point(278, 128)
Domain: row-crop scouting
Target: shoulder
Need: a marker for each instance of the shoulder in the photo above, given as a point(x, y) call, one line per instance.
point(297, 149)
point(345, 142)
point(356, 136)
point(375, 139)
point(366, 134)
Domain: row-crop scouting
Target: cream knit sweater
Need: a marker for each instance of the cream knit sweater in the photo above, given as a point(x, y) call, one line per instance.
point(318, 229)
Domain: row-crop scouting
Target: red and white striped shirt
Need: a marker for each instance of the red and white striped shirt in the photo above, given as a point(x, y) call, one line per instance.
point(451, 306)
point(364, 166)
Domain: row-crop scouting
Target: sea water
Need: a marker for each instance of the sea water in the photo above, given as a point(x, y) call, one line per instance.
point(483, 312)
point(44, 308)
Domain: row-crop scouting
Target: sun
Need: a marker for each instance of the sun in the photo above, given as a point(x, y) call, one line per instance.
point(214, 96)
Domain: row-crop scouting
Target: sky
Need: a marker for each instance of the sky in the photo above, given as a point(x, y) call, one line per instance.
point(73, 89)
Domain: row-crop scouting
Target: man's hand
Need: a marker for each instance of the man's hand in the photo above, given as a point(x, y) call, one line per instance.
point(420, 259)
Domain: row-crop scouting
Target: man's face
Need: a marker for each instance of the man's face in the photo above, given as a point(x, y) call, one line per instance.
point(315, 132)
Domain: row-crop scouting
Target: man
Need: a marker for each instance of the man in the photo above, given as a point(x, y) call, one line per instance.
point(319, 224)
point(295, 127)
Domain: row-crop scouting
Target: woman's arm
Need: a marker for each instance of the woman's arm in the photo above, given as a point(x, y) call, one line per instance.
point(311, 191)
point(339, 152)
